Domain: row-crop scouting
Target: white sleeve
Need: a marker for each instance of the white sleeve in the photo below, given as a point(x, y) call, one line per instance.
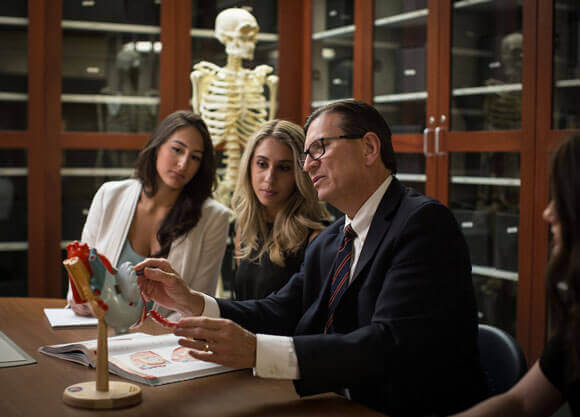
point(275, 355)
point(91, 227)
point(211, 307)
point(213, 244)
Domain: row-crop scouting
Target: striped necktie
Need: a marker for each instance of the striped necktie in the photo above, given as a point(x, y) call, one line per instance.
point(339, 282)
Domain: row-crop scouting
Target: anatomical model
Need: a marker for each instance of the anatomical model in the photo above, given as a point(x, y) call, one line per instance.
point(231, 99)
point(112, 294)
point(115, 299)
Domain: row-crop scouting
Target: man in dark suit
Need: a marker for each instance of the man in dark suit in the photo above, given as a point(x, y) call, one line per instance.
point(382, 310)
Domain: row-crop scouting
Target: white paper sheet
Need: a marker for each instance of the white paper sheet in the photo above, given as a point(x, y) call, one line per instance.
point(11, 354)
point(65, 317)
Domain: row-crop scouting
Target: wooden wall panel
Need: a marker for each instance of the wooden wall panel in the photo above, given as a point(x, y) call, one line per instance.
point(306, 37)
point(527, 167)
point(168, 58)
point(44, 186)
point(182, 64)
point(36, 126)
point(363, 50)
point(291, 60)
point(97, 140)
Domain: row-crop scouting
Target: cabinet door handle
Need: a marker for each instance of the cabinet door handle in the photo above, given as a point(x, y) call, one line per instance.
point(437, 132)
point(426, 142)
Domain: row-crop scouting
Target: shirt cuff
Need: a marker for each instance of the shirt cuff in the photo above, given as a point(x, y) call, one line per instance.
point(211, 308)
point(276, 357)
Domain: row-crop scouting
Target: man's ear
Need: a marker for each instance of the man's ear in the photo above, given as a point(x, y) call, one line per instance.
point(371, 148)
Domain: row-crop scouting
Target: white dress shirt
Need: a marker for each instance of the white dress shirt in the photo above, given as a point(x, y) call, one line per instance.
point(276, 355)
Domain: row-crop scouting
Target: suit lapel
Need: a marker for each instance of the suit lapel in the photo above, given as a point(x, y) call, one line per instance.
point(315, 316)
point(379, 225)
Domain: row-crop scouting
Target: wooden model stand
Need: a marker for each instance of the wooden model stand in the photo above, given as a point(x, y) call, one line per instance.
point(101, 393)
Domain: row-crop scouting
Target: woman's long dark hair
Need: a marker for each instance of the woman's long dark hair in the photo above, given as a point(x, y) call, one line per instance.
point(186, 211)
point(563, 272)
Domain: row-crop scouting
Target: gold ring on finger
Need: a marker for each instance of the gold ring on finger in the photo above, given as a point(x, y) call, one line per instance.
point(207, 347)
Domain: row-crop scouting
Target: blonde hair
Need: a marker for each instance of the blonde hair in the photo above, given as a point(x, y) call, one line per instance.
point(293, 223)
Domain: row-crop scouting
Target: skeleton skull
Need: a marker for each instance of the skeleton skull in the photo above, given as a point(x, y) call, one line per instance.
point(237, 29)
point(511, 56)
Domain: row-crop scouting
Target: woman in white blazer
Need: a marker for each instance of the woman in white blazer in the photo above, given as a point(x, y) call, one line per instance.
point(166, 210)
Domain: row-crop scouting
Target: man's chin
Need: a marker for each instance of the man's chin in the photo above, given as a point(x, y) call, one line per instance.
point(322, 195)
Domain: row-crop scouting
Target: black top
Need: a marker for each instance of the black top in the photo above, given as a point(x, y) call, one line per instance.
point(258, 279)
point(556, 364)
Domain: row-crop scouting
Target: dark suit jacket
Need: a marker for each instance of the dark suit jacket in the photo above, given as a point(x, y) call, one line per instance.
point(405, 331)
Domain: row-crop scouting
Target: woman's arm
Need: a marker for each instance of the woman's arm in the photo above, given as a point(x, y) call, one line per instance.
point(213, 247)
point(534, 395)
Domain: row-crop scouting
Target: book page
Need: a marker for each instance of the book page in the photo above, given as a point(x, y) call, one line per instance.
point(116, 344)
point(164, 363)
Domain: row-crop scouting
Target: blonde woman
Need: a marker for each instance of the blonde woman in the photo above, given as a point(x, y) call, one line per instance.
point(276, 208)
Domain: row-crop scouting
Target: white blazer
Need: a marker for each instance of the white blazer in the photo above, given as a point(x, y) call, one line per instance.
point(196, 256)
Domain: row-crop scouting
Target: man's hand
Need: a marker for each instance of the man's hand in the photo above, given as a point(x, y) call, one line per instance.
point(218, 340)
point(159, 282)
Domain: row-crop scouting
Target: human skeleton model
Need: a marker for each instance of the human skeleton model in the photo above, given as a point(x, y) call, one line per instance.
point(504, 108)
point(231, 99)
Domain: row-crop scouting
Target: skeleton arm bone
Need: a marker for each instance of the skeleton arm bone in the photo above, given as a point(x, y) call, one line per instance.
point(272, 82)
point(199, 77)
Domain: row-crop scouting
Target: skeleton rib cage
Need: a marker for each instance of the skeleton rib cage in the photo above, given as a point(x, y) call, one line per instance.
point(233, 106)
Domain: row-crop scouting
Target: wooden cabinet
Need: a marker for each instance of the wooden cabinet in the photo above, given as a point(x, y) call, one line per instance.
point(476, 98)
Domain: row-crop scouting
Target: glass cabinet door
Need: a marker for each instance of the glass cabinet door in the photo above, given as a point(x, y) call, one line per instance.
point(83, 172)
point(13, 223)
point(411, 170)
point(486, 65)
point(110, 66)
point(566, 65)
point(485, 95)
point(332, 51)
point(400, 78)
point(13, 65)
point(400, 63)
point(484, 197)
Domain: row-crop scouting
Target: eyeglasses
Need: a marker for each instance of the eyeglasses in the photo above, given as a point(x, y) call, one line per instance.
point(317, 149)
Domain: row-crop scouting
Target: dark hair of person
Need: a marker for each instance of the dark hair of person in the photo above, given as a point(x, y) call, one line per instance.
point(359, 118)
point(563, 271)
point(186, 211)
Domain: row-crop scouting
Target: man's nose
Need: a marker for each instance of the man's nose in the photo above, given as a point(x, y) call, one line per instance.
point(308, 163)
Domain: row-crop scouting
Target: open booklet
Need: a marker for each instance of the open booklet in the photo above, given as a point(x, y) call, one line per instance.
point(140, 357)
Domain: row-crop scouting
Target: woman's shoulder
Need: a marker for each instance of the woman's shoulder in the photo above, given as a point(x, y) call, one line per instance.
point(213, 207)
point(120, 186)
